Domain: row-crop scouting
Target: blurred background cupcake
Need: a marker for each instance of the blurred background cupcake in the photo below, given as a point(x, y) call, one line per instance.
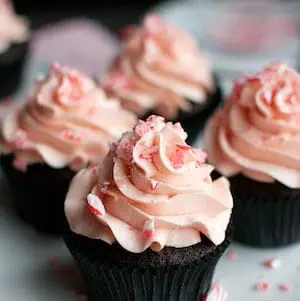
point(14, 42)
point(161, 70)
point(254, 139)
point(66, 124)
point(149, 217)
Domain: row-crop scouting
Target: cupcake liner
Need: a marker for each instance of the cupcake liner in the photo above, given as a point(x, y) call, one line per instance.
point(39, 194)
point(11, 68)
point(141, 281)
point(265, 214)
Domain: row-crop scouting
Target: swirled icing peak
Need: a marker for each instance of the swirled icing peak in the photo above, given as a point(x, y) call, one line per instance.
point(67, 121)
point(158, 69)
point(257, 132)
point(13, 28)
point(152, 190)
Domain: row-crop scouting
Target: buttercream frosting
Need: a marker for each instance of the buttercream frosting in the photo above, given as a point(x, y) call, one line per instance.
point(152, 191)
point(67, 121)
point(257, 132)
point(158, 69)
point(13, 28)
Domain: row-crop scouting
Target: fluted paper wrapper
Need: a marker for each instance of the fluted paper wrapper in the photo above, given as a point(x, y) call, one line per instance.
point(11, 68)
point(265, 214)
point(113, 282)
point(39, 194)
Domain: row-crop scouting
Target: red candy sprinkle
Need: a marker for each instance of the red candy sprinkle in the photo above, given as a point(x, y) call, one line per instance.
point(148, 153)
point(272, 263)
point(231, 255)
point(200, 154)
point(262, 286)
point(93, 210)
point(177, 158)
point(142, 128)
point(149, 229)
point(73, 135)
point(284, 287)
point(154, 185)
point(95, 205)
point(20, 139)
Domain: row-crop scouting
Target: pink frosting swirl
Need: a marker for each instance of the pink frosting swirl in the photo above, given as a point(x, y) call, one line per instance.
point(152, 190)
point(257, 132)
point(13, 28)
point(67, 121)
point(159, 68)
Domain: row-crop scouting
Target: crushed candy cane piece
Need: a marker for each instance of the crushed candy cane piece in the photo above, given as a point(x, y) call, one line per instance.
point(200, 155)
point(149, 153)
point(284, 287)
point(95, 205)
point(231, 255)
point(154, 185)
point(262, 286)
point(149, 229)
point(272, 263)
point(141, 128)
point(19, 140)
point(177, 158)
point(72, 135)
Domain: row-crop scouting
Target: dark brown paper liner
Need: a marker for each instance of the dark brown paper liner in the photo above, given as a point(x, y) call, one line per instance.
point(265, 214)
point(39, 194)
point(11, 68)
point(137, 282)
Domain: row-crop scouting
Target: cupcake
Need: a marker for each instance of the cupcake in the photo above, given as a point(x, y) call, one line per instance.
point(161, 70)
point(14, 38)
point(66, 124)
point(254, 140)
point(149, 223)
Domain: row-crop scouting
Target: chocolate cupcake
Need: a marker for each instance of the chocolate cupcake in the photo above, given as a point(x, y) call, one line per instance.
point(254, 140)
point(14, 40)
point(67, 123)
point(149, 223)
point(161, 70)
